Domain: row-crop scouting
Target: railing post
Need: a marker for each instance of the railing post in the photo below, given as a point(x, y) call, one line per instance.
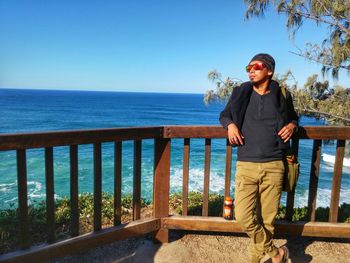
point(97, 187)
point(205, 209)
point(74, 190)
point(291, 195)
point(228, 169)
point(338, 169)
point(118, 146)
point(22, 198)
point(186, 168)
point(314, 175)
point(161, 184)
point(50, 193)
point(136, 200)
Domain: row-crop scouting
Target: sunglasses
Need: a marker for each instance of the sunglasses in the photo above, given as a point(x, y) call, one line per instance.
point(256, 66)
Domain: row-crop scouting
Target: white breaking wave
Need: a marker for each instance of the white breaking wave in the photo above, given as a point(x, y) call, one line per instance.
point(217, 185)
point(5, 188)
point(328, 158)
point(35, 191)
point(196, 180)
point(323, 197)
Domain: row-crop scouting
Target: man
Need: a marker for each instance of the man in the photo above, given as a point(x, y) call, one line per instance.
point(260, 121)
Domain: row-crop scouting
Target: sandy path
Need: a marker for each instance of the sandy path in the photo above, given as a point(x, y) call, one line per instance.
point(194, 247)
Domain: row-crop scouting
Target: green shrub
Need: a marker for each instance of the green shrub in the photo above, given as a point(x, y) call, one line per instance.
point(195, 203)
point(9, 219)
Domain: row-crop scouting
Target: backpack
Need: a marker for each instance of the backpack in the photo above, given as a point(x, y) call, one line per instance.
point(291, 164)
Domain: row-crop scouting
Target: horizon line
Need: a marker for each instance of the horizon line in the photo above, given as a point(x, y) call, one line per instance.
point(89, 90)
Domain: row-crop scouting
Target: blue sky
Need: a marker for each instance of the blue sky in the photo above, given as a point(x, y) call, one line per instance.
point(155, 46)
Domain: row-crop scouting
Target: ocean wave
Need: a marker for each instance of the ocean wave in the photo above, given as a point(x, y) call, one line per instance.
point(217, 185)
point(323, 197)
point(196, 180)
point(35, 190)
point(330, 159)
point(6, 188)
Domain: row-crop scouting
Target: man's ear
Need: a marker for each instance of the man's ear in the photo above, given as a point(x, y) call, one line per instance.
point(270, 73)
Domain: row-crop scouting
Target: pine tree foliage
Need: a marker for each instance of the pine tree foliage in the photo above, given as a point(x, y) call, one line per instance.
point(334, 52)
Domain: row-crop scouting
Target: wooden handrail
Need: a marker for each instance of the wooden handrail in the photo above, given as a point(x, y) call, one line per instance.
point(62, 138)
point(307, 132)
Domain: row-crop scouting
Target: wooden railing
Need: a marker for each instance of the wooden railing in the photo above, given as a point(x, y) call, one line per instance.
point(161, 222)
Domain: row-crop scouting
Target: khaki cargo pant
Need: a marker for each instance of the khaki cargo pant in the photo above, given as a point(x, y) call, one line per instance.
point(257, 197)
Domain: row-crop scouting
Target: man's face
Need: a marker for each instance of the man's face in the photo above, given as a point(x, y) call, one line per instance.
point(258, 72)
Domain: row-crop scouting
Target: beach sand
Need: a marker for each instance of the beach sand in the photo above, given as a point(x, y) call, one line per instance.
point(194, 247)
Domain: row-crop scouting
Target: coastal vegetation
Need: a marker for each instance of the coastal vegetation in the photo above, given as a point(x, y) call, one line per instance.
point(315, 98)
point(9, 220)
point(333, 53)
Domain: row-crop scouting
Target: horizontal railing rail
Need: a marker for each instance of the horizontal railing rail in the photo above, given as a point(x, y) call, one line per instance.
point(62, 138)
point(162, 136)
point(307, 132)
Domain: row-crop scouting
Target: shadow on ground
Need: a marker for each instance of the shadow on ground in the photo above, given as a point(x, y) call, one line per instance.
point(202, 247)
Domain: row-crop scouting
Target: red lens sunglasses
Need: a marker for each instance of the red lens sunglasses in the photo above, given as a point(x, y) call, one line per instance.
point(256, 66)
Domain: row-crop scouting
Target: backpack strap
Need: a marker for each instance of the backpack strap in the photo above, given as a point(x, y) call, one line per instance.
point(284, 92)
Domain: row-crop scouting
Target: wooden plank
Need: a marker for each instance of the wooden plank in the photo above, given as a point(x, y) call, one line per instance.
point(50, 198)
point(205, 208)
point(314, 174)
point(201, 223)
point(314, 229)
point(309, 132)
point(338, 169)
point(161, 184)
point(83, 243)
point(22, 199)
point(136, 201)
point(74, 191)
point(97, 187)
point(186, 169)
point(324, 132)
point(228, 168)
point(62, 138)
point(194, 132)
point(117, 182)
point(219, 224)
point(291, 195)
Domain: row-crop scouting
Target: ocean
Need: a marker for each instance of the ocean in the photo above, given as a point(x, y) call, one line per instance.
point(48, 110)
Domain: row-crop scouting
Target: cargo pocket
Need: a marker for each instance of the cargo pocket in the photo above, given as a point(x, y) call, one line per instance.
point(277, 177)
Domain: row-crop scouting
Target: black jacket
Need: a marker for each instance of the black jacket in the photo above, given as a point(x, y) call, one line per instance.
point(236, 106)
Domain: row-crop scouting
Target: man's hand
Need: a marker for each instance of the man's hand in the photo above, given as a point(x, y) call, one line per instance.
point(234, 135)
point(287, 131)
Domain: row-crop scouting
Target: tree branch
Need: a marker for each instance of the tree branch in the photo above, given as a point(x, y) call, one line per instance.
point(317, 18)
point(311, 111)
point(346, 30)
point(318, 61)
